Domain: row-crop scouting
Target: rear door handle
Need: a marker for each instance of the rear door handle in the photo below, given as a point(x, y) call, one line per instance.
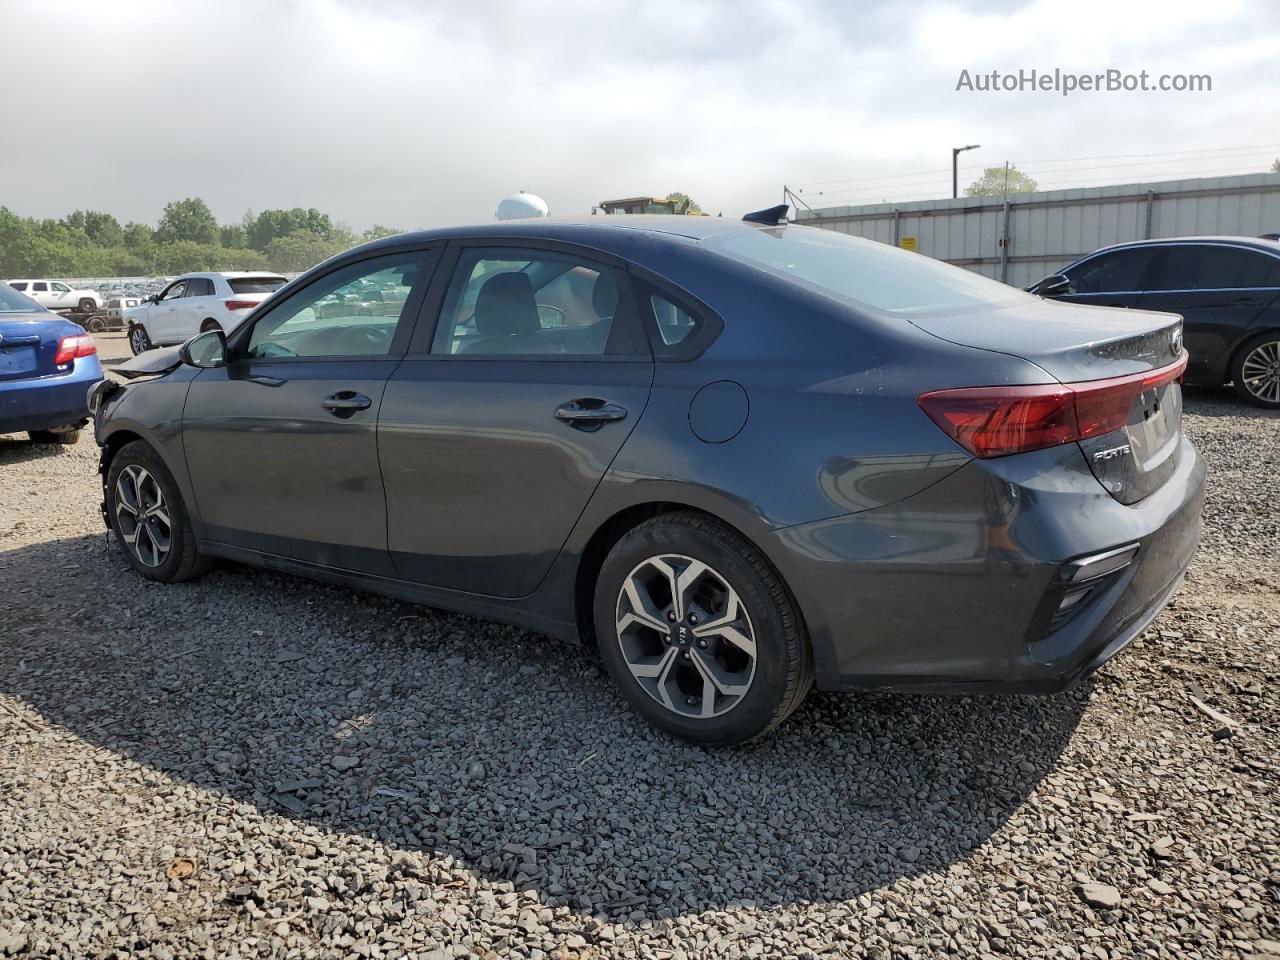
point(1249, 301)
point(590, 413)
point(346, 402)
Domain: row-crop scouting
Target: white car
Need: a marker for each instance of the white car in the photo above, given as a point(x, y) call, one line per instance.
point(194, 303)
point(56, 295)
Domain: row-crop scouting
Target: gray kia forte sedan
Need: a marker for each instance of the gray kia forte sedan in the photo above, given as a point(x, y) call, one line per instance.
point(740, 458)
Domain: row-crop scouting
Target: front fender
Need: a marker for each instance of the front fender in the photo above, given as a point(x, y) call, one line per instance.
point(150, 411)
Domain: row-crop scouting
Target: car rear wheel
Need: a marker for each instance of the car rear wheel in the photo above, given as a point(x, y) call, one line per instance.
point(210, 324)
point(699, 632)
point(65, 437)
point(96, 325)
point(1257, 371)
point(139, 342)
point(88, 306)
point(145, 509)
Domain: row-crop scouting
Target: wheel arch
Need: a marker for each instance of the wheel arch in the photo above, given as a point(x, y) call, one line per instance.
point(167, 445)
point(615, 526)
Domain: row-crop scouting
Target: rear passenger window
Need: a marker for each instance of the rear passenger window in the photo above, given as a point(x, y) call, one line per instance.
point(1260, 270)
point(18, 286)
point(675, 324)
point(508, 303)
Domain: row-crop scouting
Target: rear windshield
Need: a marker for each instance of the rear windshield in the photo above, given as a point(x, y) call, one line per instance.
point(11, 301)
point(256, 284)
point(863, 271)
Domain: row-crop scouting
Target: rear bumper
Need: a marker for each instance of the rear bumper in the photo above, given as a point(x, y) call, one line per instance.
point(46, 402)
point(951, 590)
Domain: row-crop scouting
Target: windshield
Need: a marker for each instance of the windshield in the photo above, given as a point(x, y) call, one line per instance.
point(11, 301)
point(866, 272)
point(255, 284)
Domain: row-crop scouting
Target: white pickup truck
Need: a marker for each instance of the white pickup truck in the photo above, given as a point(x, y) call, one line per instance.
point(56, 295)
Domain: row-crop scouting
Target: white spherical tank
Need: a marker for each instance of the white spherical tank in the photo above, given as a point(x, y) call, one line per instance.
point(521, 205)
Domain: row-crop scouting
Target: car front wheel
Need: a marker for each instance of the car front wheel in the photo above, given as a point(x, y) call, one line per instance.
point(699, 632)
point(1257, 371)
point(139, 342)
point(145, 510)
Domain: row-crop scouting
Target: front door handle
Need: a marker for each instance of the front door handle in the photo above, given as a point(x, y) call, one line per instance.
point(590, 413)
point(1248, 301)
point(346, 403)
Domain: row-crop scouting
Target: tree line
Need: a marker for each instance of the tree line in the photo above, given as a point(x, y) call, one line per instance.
point(90, 243)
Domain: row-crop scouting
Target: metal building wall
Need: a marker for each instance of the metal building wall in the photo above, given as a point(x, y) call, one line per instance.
point(1046, 231)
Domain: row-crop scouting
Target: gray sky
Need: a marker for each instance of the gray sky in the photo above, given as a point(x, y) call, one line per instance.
point(421, 114)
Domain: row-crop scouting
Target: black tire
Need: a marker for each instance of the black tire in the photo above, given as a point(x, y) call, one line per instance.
point(88, 306)
point(1262, 353)
point(63, 437)
point(783, 669)
point(210, 324)
point(182, 561)
point(96, 325)
point(139, 341)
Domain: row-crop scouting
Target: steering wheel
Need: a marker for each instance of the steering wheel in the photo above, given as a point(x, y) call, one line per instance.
point(357, 341)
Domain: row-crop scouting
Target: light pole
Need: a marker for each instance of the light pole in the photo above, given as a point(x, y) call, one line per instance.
point(955, 172)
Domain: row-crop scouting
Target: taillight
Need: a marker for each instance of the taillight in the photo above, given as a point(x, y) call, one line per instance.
point(241, 304)
point(996, 421)
point(69, 348)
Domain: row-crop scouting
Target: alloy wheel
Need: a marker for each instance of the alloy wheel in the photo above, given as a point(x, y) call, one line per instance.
point(138, 340)
point(686, 636)
point(142, 517)
point(1261, 371)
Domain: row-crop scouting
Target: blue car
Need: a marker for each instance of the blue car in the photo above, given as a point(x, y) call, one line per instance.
point(47, 365)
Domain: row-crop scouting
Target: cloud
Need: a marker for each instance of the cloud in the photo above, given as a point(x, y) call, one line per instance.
point(422, 114)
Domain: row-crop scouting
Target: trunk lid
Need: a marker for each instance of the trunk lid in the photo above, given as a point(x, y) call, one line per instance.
point(1070, 341)
point(1079, 345)
point(29, 345)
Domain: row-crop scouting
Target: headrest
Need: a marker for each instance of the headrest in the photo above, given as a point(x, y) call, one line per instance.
point(505, 306)
point(604, 296)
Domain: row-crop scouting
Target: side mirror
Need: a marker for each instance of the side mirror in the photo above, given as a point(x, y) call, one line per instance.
point(206, 351)
point(1053, 286)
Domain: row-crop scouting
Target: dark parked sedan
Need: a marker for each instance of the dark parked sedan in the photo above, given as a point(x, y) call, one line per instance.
point(738, 457)
point(1227, 290)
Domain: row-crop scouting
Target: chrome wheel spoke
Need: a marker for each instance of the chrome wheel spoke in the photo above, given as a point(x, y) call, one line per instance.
point(642, 609)
point(715, 675)
point(684, 583)
point(728, 627)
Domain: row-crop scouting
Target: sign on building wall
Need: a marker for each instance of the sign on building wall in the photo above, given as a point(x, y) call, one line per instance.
point(907, 243)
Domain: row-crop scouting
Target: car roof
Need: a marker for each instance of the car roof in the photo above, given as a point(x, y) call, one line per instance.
point(611, 232)
point(1258, 243)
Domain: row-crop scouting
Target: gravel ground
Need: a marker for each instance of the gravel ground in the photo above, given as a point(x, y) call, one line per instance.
point(254, 766)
